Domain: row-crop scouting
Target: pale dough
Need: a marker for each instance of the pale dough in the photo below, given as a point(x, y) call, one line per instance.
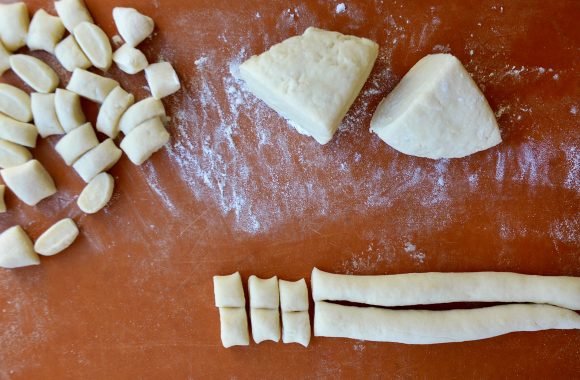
point(114, 106)
point(234, 327)
point(228, 291)
point(12, 154)
point(293, 295)
point(2, 203)
point(45, 31)
point(16, 249)
point(30, 182)
point(34, 73)
point(57, 238)
point(129, 59)
point(69, 111)
point(72, 13)
point(133, 26)
point(17, 132)
point(95, 44)
point(15, 103)
point(44, 114)
point(70, 55)
point(296, 327)
point(97, 160)
point(265, 324)
point(144, 140)
point(140, 112)
point(162, 79)
point(96, 194)
point(4, 59)
point(76, 143)
point(14, 21)
point(91, 86)
point(264, 293)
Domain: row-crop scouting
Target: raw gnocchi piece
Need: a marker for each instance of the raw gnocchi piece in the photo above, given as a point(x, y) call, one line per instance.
point(95, 44)
point(234, 326)
point(68, 109)
point(34, 72)
point(97, 160)
point(228, 291)
point(129, 59)
point(45, 31)
point(16, 249)
point(96, 194)
point(140, 112)
point(44, 113)
point(14, 21)
point(4, 59)
point(133, 26)
point(30, 182)
point(15, 103)
point(265, 324)
point(296, 327)
point(162, 79)
point(115, 104)
point(76, 143)
point(293, 295)
point(69, 54)
point(91, 86)
point(17, 132)
point(264, 293)
point(72, 13)
point(13, 154)
point(144, 140)
point(57, 238)
point(2, 204)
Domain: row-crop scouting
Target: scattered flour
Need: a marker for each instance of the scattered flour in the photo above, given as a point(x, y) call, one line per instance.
point(411, 250)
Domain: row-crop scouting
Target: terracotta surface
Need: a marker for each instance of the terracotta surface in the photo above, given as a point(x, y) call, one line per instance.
point(238, 189)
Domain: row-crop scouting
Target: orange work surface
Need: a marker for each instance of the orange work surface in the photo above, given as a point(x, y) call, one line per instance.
point(237, 189)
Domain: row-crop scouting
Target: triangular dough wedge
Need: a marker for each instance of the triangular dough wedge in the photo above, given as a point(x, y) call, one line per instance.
point(436, 111)
point(312, 79)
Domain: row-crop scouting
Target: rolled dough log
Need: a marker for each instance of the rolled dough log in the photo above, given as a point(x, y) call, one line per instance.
point(234, 326)
point(228, 291)
point(265, 324)
point(264, 293)
point(16, 249)
point(435, 288)
point(296, 327)
point(294, 295)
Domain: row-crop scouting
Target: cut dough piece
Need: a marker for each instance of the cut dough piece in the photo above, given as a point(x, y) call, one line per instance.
point(162, 79)
point(4, 59)
point(431, 327)
point(17, 131)
point(72, 13)
point(130, 60)
point(133, 26)
point(76, 143)
point(294, 295)
point(264, 293)
point(140, 112)
point(114, 106)
point(44, 113)
point(14, 21)
point(234, 327)
point(96, 194)
point(91, 86)
point(69, 54)
point(16, 249)
point(95, 44)
point(57, 238)
point(144, 140)
point(296, 327)
point(97, 160)
point(30, 182)
point(45, 31)
point(436, 288)
point(34, 72)
point(68, 109)
point(265, 324)
point(2, 204)
point(13, 154)
point(15, 103)
point(312, 79)
point(228, 291)
point(436, 111)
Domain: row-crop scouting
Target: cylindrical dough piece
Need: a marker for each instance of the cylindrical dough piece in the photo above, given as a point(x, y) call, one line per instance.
point(431, 327)
point(133, 26)
point(45, 31)
point(69, 54)
point(72, 13)
point(265, 324)
point(57, 238)
point(97, 160)
point(4, 59)
point(115, 104)
point(91, 86)
point(68, 109)
point(17, 131)
point(13, 154)
point(234, 327)
point(95, 44)
point(76, 143)
point(296, 327)
point(44, 113)
point(30, 182)
point(264, 293)
point(228, 291)
point(34, 72)
point(162, 79)
point(14, 21)
point(293, 295)
point(15, 103)
point(130, 59)
point(96, 194)
point(16, 249)
point(140, 112)
point(2, 204)
point(145, 140)
point(436, 288)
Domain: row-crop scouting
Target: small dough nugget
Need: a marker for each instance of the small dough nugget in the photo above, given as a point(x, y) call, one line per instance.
point(264, 293)
point(296, 327)
point(140, 112)
point(14, 21)
point(13, 154)
point(95, 44)
point(130, 60)
point(228, 291)
point(91, 86)
point(45, 32)
point(294, 295)
point(15, 103)
point(44, 113)
point(2, 204)
point(144, 140)
point(133, 26)
point(16, 249)
point(234, 327)
point(76, 143)
point(162, 79)
point(96, 194)
point(265, 324)
point(72, 13)
point(70, 55)
point(4, 59)
point(30, 182)
point(97, 160)
point(57, 238)
point(114, 106)
point(34, 73)
point(17, 131)
point(68, 109)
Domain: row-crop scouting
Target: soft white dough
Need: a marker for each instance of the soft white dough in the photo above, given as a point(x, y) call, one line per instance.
point(57, 238)
point(432, 327)
point(17, 132)
point(4, 59)
point(437, 288)
point(296, 327)
point(16, 249)
point(140, 112)
point(34, 72)
point(69, 111)
point(97, 160)
point(45, 31)
point(234, 327)
point(133, 26)
point(293, 295)
point(96, 194)
point(228, 291)
point(129, 59)
point(44, 114)
point(95, 44)
point(264, 293)
point(144, 140)
point(70, 55)
point(15, 103)
point(91, 86)
point(265, 324)
point(30, 182)
point(115, 104)
point(76, 143)
point(2, 204)
point(162, 79)
point(13, 154)
point(14, 21)
point(72, 13)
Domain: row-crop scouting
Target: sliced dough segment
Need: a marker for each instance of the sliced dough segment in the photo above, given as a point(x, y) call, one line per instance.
point(436, 111)
point(13, 154)
point(34, 73)
point(162, 79)
point(57, 238)
point(294, 295)
point(30, 182)
point(72, 13)
point(70, 55)
point(14, 21)
point(44, 113)
point(76, 143)
point(97, 160)
point(95, 44)
point(91, 86)
point(140, 112)
point(265, 324)
point(4, 59)
point(17, 132)
point(68, 109)
point(15, 103)
point(16, 249)
point(264, 293)
point(228, 291)
point(133, 26)
point(312, 79)
point(234, 327)
point(114, 106)
point(296, 327)
point(45, 31)
point(144, 140)
point(129, 59)
point(96, 194)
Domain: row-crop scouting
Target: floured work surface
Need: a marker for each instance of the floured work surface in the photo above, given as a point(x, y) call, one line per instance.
point(240, 190)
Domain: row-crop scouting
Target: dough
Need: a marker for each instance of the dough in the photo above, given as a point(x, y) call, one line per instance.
point(91, 86)
point(296, 327)
point(140, 112)
point(30, 182)
point(17, 131)
point(15, 103)
point(95, 44)
point(162, 79)
point(72, 13)
point(265, 324)
point(313, 79)
point(436, 111)
point(57, 238)
point(264, 293)
point(228, 291)
point(234, 327)
point(129, 59)
point(2, 204)
point(431, 327)
point(293, 295)
point(133, 26)
point(76, 143)
point(12, 154)
point(97, 160)
point(34, 73)
point(69, 54)
point(68, 109)
point(96, 194)
point(115, 104)
point(14, 22)
point(145, 140)
point(44, 113)
point(437, 288)
point(4, 59)
point(45, 32)
point(16, 249)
